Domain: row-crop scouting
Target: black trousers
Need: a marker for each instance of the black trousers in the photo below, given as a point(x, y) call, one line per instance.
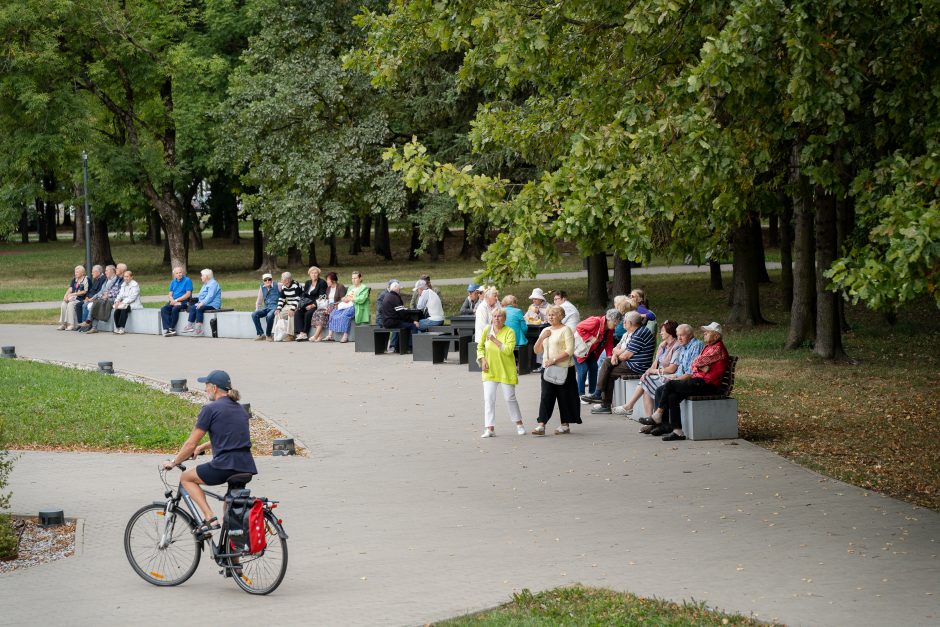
point(120, 317)
point(302, 318)
point(566, 395)
point(670, 396)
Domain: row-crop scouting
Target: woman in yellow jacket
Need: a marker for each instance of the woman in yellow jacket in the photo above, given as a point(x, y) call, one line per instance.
point(495, 356)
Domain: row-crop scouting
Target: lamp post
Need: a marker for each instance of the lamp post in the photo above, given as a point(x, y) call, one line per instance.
point(87, 215)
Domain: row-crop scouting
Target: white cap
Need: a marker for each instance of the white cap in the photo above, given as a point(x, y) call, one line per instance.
point(266, 275)
point(420, 284)
point(537, 293)
point(714, 326)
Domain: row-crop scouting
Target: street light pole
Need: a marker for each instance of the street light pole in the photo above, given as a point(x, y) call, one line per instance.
point(87, 215)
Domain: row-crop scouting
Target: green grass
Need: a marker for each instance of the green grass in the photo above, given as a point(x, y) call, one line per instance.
point(48, 406)
point(579, 605)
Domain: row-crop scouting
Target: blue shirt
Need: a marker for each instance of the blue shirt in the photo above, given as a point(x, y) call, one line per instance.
point(683, 356)
point(270, 295)
point(180, 287)
point(515, 320)
point(642, 345)
point(211, 295)
point(226, 422)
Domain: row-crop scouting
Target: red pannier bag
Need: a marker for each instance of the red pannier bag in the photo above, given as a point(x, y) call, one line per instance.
point(257, 528)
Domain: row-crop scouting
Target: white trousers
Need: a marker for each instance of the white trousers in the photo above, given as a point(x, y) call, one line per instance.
point(67, 313)
point(489, 402)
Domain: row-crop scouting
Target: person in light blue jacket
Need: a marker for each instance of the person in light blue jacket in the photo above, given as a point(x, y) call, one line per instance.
point(515, 319)
point(209, 299)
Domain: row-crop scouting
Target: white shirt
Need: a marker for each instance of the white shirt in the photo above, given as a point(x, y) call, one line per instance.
point(483, 318)
point(432, 301)
point(572, 316)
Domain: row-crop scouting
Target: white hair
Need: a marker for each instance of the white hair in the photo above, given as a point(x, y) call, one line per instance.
point(613, 316)
point(286, 276)
point(634, 318)
point(206, 273)
point(685, 328)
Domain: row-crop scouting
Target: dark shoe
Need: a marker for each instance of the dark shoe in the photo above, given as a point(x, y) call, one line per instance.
point(673, 437)
point(206, 528)
point(537, 370)
point(646, 420)
point(661, 430)
point(603, 409)
point(647, 429)
point(591, 398)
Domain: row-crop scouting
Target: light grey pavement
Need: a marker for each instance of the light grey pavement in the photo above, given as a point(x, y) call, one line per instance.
point(549, 276)
point(402, 514)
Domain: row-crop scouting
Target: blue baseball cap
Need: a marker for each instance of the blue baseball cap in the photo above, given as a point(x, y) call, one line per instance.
point(473, 287)
point(218, 378)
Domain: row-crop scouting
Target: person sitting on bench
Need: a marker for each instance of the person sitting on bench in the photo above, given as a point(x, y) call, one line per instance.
point(633, 355)
point(209, 299)
point(393, 315)
point(180, 293)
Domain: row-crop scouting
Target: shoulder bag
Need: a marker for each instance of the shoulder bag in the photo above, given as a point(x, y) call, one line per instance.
point(555, 375)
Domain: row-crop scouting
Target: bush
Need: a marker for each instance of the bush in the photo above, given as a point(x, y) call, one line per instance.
point(8, 538)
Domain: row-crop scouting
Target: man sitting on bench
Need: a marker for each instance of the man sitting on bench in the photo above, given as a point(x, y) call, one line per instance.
point(393, 315)
point(633, 355)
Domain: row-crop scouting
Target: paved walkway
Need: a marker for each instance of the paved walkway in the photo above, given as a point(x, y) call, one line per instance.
point(549, 276)
point(402, 514)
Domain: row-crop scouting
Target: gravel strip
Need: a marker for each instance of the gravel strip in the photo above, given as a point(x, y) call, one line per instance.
point(40, 546)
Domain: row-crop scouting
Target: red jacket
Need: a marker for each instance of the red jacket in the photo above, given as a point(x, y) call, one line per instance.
point(715, 356)
point(595, 327)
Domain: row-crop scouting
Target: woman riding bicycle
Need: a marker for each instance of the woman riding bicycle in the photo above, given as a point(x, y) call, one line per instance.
point(226, 422)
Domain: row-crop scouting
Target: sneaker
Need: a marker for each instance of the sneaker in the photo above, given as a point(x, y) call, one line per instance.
point(621, 410)
point(171, 333)
point(199, 332)
point(588, 399)
point(260, 338)
point(120, 331)
point(188, 329)
point(600, 409)
point(269, 338)
point(488, 434)
point(92, 330)
point(520, 429)
point(300, 337)
point(673, 437)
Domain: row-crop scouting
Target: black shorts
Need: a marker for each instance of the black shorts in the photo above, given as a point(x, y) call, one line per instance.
point(211, 475)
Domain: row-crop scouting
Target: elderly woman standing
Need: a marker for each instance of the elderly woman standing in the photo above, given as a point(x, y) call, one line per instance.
point(495, 356)
point(128, 299)
point(75, 293)
point(484, 312)
point(597, 333)
point(353, 306)
point(556, 344)
point(707, 371)
point(335, 291)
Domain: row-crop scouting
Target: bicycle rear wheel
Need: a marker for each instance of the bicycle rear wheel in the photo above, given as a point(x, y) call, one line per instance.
point(262, 573)
point(168, 566)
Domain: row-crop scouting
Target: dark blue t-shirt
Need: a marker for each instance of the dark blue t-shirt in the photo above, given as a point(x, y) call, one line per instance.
point(226, 422)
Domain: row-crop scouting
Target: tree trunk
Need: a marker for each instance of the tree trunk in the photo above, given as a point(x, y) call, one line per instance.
point(745, 288)
point(234, 232)
point(623, 277)
point(100, 242)
point(24, 227)
point(312, 254)
point(383, 243)
point(217, 215)
point(79, 226)
point(348, 232)
point(714, 274)
point(828, 320)
point(845, 224)
point(786, 251)
point(334, 258)
point(41, 229)
point(257, 244)
point(597, 280)
point(803, 309)
point(367, 231)
point(66, 218)
point(294, 257)
point(167, 260)
point(757, 233)
point(355, 244)
point(130, 232)
point(268, 261)
point(52, 213)
point(415, 242)
point(773, 230)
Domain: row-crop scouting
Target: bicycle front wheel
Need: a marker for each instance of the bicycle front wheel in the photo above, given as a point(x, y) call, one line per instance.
point(263, 572)
point(161, 548)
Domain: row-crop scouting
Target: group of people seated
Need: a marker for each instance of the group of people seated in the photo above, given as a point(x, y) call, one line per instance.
point(679, 367)
point(89, 300)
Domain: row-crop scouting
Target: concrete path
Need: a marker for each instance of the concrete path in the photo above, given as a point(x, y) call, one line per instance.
point(402, 514)
point(549, 276)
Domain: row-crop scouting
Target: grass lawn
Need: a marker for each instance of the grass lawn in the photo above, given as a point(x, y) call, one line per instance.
point(579, 605)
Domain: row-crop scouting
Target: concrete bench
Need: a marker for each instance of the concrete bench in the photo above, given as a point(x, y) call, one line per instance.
point(145, 321)
point(209, 323)
point(364, 339)
point(713, 417)
point(624, 388)
point(234, 324)
point(423, 346)
point(382, 336)
point(436, 345)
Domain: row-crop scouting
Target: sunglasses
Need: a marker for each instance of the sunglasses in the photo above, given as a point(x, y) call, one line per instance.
point(269, 279)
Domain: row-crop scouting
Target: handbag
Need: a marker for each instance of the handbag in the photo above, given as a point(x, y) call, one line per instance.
point(555, 375)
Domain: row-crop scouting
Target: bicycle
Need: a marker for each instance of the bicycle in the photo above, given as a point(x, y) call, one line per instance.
point(166, 553)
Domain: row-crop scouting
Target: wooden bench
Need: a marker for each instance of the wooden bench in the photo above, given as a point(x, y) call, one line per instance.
point(715, 416)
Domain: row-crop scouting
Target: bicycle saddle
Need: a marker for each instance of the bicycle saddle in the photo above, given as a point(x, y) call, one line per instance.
point(239, 481)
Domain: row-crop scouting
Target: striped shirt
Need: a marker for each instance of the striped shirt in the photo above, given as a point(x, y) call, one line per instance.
point(290, 295)
point(642, 345)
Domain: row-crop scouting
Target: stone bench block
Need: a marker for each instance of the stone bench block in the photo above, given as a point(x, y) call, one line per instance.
point(236, 324)
point(710, 420)
point(145, 321)
point(624, 390)
point(363, 338)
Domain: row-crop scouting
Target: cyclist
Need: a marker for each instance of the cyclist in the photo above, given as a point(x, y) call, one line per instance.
point(226, 422)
